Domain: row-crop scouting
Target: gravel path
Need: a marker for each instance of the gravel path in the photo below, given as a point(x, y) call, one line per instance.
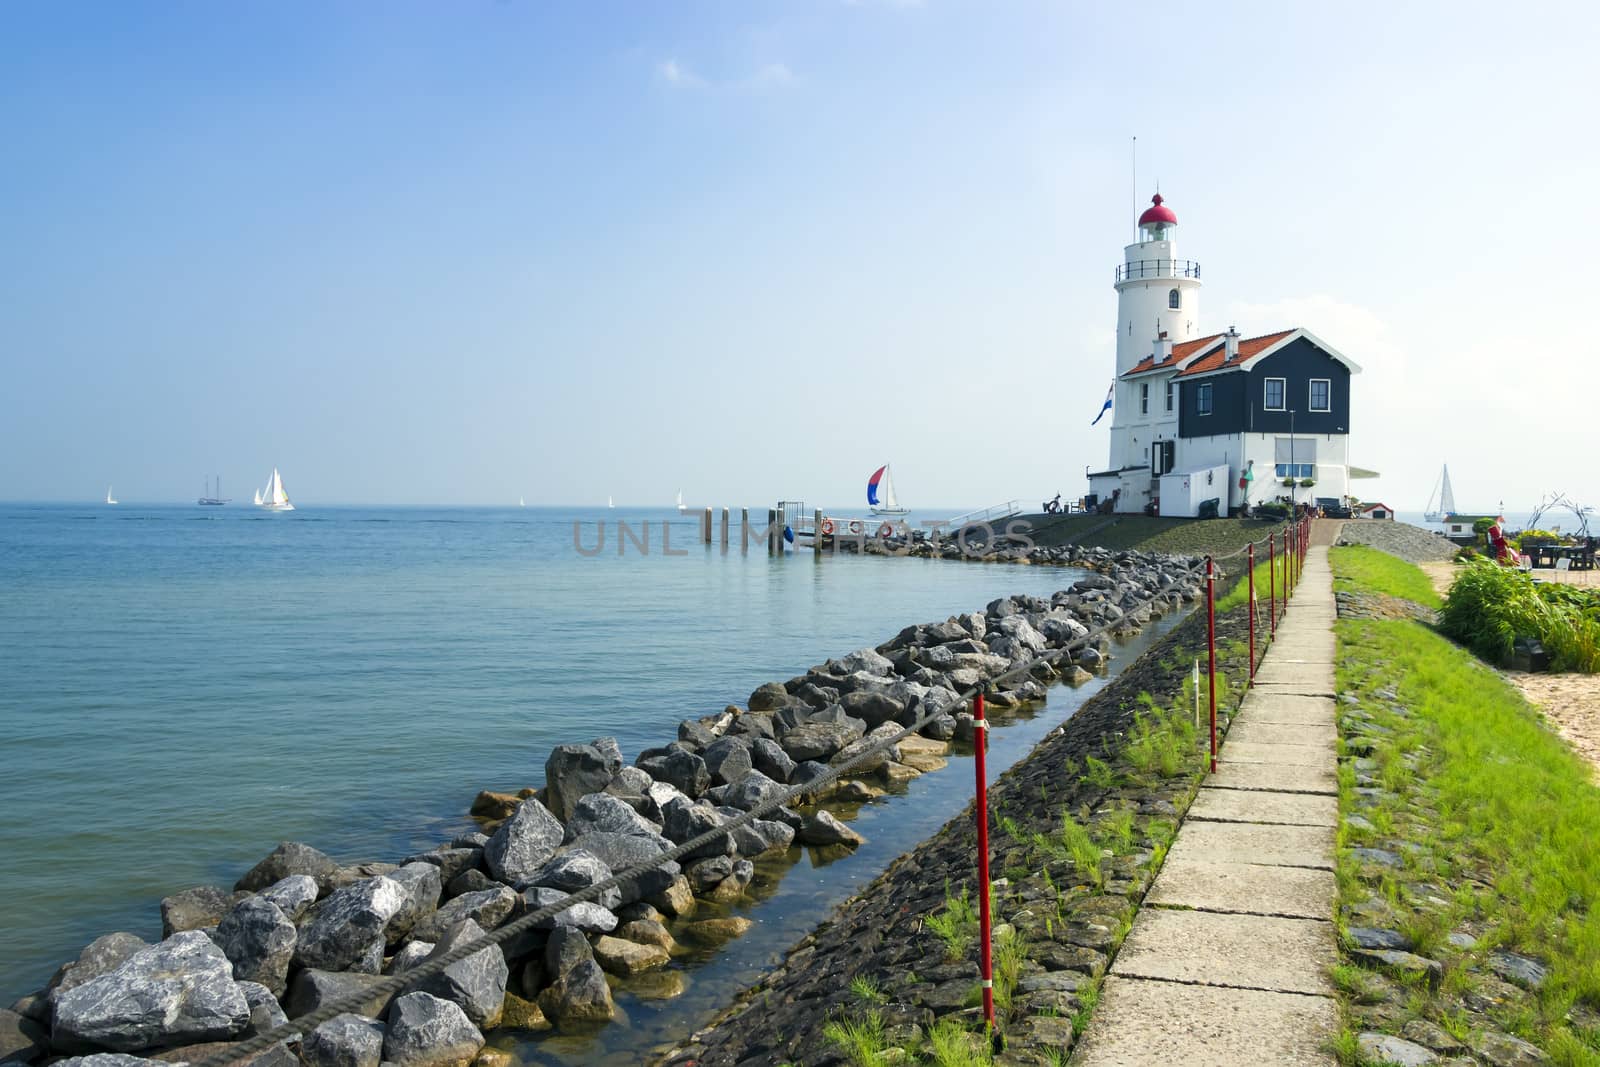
point(1411, 543)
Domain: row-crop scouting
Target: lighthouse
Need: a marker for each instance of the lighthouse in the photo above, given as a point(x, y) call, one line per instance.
point(1158, 294)
point(1207, 424)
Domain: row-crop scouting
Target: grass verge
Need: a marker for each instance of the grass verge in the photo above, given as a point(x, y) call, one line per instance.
point(1481, 824)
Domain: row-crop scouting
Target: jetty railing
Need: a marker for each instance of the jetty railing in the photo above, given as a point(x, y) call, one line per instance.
point(392, 985)
point(989, 514)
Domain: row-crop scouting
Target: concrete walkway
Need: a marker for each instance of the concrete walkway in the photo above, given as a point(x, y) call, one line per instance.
point(1227, 963)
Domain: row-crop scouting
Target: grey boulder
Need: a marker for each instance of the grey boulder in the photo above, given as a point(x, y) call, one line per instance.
point(602, 813)
point(684, 821)
point(101, 956)
point(579, 996)
point(576, 869)
point(259, 940)
point(347, 933)
point(823, 829)
point(771, 760)
point(591, 918)
point(344, 1041)
point(293, 895)
point(427, 1031)
point(311, 990)
point(728, 758)
point(180, 991)
point(523, 843)
point(488, 908)
point(572, 771)
point(477, 983)
point(291, 857)
point(424, 884)
point(752, 790)
point(625, 852)
point(194, 909)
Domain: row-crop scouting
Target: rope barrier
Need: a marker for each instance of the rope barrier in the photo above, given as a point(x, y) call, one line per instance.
point(393, 984)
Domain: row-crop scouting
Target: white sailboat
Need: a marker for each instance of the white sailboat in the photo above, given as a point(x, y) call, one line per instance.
point(681, 508)
point(1442, 501)
point(109, 498)
point(609, 504)
point(274, 497)
point(258, 498)
point(880, 493)
point(521, 503)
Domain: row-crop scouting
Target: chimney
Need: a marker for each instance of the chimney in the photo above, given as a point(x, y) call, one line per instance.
point(1163, 347)
point(1230, 342)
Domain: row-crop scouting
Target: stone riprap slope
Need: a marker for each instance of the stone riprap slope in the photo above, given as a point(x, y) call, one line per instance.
point(1411, 543)
point(300, 931)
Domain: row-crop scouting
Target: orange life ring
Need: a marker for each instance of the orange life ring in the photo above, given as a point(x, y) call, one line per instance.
point(827, 527)
point(886, 529)
point(855, 526)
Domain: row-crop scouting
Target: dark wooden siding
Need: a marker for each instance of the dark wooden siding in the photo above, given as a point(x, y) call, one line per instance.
point(1238, 397)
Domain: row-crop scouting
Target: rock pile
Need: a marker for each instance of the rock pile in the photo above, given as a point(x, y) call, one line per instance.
point(1411, 543)
point(300, 931)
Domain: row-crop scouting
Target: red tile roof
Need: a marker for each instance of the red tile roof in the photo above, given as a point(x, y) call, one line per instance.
point(1180, 351)
point(1249, 347)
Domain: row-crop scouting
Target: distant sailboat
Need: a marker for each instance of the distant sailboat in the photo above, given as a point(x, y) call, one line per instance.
point(609, 504)
point(258, 498)
point(1442, 501)
point(213, 497)
point(880, 493)
point(681, 508)
point(109, 498)
point(274, 497)
point(521, 503)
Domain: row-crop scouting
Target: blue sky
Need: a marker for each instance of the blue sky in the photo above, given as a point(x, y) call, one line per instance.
point(462, 252)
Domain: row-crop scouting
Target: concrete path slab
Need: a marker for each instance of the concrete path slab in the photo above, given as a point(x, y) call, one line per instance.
point(1276, 671)
point(1283, 809)
point(1287, 708)
point(1280, 846)
point(1277, 777)
point(1246, 727)
point(1142, 1023)
point(1286, 755)
point(1249, 888)
point(1244, 951)
point(1305, 689)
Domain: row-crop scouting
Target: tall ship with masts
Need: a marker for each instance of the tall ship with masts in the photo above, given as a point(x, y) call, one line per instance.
point(210, 497)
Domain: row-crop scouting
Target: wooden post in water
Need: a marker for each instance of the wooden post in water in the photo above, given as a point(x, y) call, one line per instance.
point(772, 531)
point(705, 527)
point(744, 529)
point(816, 531)
point(724, 529)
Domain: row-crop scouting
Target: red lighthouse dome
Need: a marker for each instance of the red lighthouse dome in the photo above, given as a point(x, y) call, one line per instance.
point(1158, 213)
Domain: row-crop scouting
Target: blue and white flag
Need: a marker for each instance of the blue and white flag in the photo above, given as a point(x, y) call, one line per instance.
point(1107, 405)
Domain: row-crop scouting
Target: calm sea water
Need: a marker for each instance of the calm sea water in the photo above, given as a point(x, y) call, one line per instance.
point(185, 687)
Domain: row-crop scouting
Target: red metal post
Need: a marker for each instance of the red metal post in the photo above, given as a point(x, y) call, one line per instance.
point(986, 962)
point(1211, 644)
point(1272, 584)
point(1251, 564)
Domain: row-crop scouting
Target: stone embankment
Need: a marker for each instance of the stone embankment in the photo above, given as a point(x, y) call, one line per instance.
point(1411, 543)
point(898, 962)
point(300, 931)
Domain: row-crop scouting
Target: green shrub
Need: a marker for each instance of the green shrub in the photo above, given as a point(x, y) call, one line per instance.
point(1489, 607)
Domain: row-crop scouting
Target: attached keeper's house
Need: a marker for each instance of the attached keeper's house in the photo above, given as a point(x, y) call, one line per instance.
point(1202, 422)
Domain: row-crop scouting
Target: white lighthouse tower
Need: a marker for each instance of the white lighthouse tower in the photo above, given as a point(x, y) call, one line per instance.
point(1158, 305)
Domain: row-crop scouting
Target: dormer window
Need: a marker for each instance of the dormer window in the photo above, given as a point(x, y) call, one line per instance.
point(1174, 300)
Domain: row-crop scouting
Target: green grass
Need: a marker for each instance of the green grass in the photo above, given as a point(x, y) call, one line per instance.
point(956, 925)
point(952, 1045)
point(860, 1039)
point(1073, 842)
point(1162, 740)
point(866, 988)
point(1508, 801)
point(1377, 571)
point(1275, 570)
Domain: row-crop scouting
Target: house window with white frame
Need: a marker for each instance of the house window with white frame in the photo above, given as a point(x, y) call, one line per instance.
point(1144, 398)
point(1321, 390)
point(1272, 394)
point(1172, 394)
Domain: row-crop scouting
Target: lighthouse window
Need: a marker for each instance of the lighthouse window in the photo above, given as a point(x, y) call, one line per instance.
point(1319, 394)
point(1272, 398)
point(1202, 398)
point(1174, 299)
